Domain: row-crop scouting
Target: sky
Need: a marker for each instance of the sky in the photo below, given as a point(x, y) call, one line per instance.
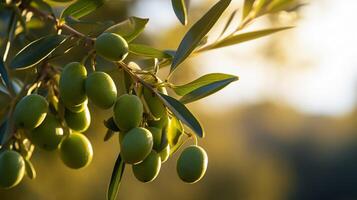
point(319, 76)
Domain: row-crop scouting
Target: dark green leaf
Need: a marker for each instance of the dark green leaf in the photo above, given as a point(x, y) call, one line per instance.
point(41, 5)
point(3, 73)
point(147, 51)
point(197, 32)
point(130, 28)
point(180, 9)
point(81, 8)
point(4, 133)
point(248, 5)
point(116, 179)
point(244, 37)
point(203, 81)
point(183, 114)
point(206, 90)
point(30, 170)
point(36, 51)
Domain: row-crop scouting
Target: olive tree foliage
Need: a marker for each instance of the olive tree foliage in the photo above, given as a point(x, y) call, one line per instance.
point(38, 55)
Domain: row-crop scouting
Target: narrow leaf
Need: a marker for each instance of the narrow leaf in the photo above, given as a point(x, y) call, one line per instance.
point(36, 51)
point(116, 179)
point(229, 21)
point(30, 170)
point(197, 32)
point(206, 90)
point(278, 5)
point(244, 37)
point(248, 5)
point(180, 9)
point(183, 114)
point(175, 131)
point(147, 51)
point(130, 28)
point(202, 81)
point(41, 5)
point(3, 73)
point(81, 8)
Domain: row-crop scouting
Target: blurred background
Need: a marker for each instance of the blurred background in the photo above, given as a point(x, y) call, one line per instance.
point(285, 131)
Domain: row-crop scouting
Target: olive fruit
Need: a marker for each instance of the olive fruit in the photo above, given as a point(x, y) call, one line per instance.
point(71, 85)
point(78, 108)
point(148, 170)
point(101, 89)
point(111, 46)
point(30, 111)
point(165, 153)
point(78, 121)
point(192, 164)
point(136, 145)
point(48, 135)
point(12, 168)
point(154, 103)
point(156, 135)
point(128, 112)
point(76, 151)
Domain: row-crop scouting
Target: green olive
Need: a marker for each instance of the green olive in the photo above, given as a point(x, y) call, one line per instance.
point(101, 89)
point(30, 111)
point(78, 121)
point(148, 170)
point(71, 85)
point(78, 108)
point(165, 153)
point(76, 151)
point(111, 46)
point(192, 164)
point(12, 169)
point(136, 145)
point(157, 135)
point(128, 112)
point(48, 135)
point(154, 103)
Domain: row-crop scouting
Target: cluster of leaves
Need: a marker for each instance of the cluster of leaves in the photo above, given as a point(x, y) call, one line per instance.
point(39, 54)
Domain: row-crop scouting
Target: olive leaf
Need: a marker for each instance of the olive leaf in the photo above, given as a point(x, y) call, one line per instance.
point(247, 7)
point(130, 28)
point(244, 37)
point(41, 5)
point(175, 131)
point(278, 5)
point(203, 86)
point(206, 90)
point(116, 179)
point(183, 114)
point(30, 170)
point(147, 51)
point(198, 31)
point(81, 8)
point(3, 73)
point(36, 51)
point(4, 133)
point(180, 9)
point(229, 21)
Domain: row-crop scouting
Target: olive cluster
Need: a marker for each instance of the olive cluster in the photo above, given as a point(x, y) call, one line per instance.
point(143, 130)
